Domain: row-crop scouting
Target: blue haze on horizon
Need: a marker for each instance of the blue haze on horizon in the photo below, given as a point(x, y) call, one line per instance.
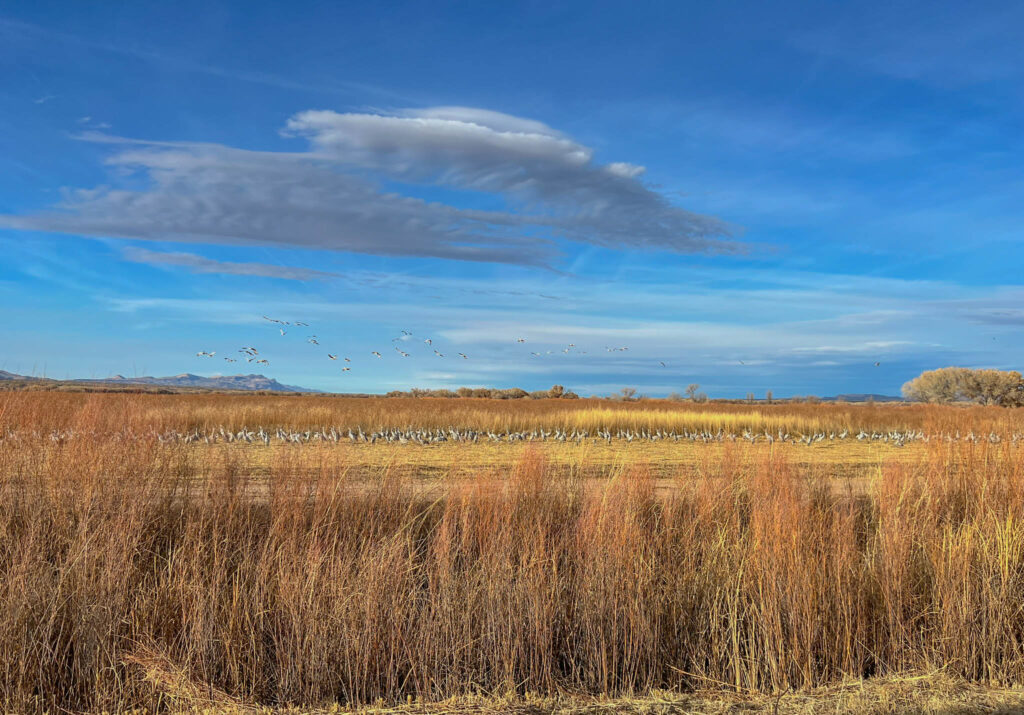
point(761, 196)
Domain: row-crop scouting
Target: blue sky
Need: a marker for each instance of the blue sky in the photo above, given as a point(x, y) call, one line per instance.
point(761, 196)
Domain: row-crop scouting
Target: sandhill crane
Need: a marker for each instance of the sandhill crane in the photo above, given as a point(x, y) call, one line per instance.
point(660, 362)
point(304, 325)
point(282, 331)
point(428, 341)
point(402, 352)
point(535, 354)
point(463, 356)
point(374, 352)
point(878, 364)
point(230, 360)
point(438, 353)
point(203, 353)
point(312, 340)
point(520, 340)
point(332, 357)
point(346, 369)
point(347, 360)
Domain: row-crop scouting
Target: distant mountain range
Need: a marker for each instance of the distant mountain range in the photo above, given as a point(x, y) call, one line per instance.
point(248, 383)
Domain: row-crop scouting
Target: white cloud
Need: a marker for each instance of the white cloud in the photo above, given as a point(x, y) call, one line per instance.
point(333, 197)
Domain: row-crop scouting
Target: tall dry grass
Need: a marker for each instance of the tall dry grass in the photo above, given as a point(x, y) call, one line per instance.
point(126, 583)
point(41, 411)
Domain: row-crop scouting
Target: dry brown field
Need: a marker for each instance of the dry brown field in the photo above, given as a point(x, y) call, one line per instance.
point(176, 552)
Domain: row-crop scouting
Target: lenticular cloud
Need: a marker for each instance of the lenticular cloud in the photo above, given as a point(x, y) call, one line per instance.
point(332, 195)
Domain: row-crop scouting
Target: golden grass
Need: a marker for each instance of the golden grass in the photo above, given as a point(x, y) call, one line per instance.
point(144, 412)
point(135, 574)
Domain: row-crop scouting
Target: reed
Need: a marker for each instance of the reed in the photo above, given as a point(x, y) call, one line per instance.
point(127, 581)
point(106, 413)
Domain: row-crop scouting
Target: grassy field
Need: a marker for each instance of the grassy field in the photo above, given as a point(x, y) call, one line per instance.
point(141, 572)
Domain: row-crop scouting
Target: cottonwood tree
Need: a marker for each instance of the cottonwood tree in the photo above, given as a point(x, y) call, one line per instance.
point(959, 384)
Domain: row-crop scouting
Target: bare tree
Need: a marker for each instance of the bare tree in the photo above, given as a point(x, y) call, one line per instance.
point(958, 384)
point(691, 390)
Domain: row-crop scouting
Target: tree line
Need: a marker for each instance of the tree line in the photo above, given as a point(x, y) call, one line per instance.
point(512, 393)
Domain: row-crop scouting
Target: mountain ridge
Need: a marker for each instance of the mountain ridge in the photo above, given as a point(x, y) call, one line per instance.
point(248, 383)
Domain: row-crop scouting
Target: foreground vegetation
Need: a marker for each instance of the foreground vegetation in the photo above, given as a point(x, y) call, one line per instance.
point(126, 580)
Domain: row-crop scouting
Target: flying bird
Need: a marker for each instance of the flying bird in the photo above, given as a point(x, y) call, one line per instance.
point(345, 369)
point(402, 353)
point(438, 354)
point(347, 360)
point(332, 357)
point(520, 340)
point(313, 341)
point(203, 353)
point(463, 356)
point(878, 364)
point(230, 360)
point(374, 352)
point(662, 363)
point(428, 341)
point(282, 331)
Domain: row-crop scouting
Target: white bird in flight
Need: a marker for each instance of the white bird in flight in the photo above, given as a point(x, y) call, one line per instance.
point(203, 353)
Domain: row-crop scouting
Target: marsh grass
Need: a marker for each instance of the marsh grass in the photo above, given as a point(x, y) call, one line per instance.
point(126, 581)
point(137, 413)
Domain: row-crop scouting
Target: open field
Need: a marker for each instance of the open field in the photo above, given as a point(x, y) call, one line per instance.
point(633, 551)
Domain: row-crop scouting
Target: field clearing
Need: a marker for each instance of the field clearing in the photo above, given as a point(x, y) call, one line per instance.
point(844, 465)
point(539, 574)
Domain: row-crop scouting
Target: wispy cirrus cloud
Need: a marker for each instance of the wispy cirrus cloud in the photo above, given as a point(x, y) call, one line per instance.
point(338, 195)
point(201, 264)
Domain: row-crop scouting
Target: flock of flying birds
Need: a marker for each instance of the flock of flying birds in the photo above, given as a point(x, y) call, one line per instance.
point(252, 355)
